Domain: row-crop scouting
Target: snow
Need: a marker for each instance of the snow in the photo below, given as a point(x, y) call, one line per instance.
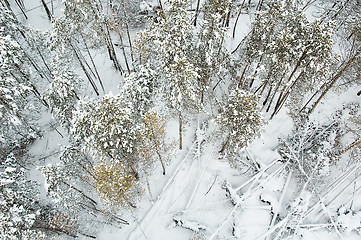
point(201, 196)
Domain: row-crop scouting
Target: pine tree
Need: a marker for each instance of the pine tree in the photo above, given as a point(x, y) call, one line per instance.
point(14, 89)
point(91, 14)
point(166, 48)
point(115, 184)
point(209, 54)
point(107, 130)
point(240, 121)
point(19, 207)
point(153, 140)
point(32, 43)
point(63, 95)
point(140, 89)
point(286, 56)
point(67, 48)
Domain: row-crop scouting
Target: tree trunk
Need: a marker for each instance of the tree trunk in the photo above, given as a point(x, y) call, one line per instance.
point(130, 42)
point(93, 63)
point(197, 12)
point(256, 71)
point(92, 83)
point(259, 6)
point(81, 192)
point(180, 130)
point(127, 29)
point(268, 95)
point(111, 50)
point(281, 101)
point(161, 161)
point(240, 82)
point(48, 13)
point(238, 15)
point(349, 147)
point(330, 84)
point(21, 7)
point(225, 145)
point(124, 53)
point(285, 91)
point(40, 54)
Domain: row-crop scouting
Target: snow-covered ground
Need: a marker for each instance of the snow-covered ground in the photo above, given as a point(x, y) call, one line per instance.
point(202, 196)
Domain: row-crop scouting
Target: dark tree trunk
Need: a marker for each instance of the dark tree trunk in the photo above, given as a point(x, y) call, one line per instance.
point(238, 15)
point(197, 12)
point(21, 7)
point(91, 81)
point(48, 13)
point(124, 53)
point(180, 130)
point(93, 63)
point(225, 144)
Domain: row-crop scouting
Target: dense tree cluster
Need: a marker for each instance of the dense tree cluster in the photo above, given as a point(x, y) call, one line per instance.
point(178, 67)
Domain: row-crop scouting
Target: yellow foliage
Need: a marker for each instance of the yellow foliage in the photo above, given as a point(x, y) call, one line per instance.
point(116, 185)
point(153, 136)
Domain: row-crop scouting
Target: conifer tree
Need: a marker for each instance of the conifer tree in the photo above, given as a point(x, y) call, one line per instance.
point(63, 95)
point(91, 14)
point(115, 184)
point(286, 56)
point(209, 54)
point(19, 207)
point(14, 89)
point(153, 140)
point(140, 89)
point(107, 130)
point(166, 47)
point(240, 121)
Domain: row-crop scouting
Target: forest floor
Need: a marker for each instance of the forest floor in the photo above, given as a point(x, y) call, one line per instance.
point(202, 196)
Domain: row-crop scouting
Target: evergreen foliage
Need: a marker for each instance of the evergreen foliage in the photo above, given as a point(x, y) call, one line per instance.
point(107, 130)
point(63, 95)
point(14, 89)
point(240, 121)
point(18, 199)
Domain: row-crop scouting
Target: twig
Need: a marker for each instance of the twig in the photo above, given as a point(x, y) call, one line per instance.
point(211, 185)
point(330, 217)
point(247, 194)
point(257, 176)
point(277, 210)
point(254, 161)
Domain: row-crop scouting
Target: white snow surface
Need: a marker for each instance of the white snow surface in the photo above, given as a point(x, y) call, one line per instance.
point(193, 188)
